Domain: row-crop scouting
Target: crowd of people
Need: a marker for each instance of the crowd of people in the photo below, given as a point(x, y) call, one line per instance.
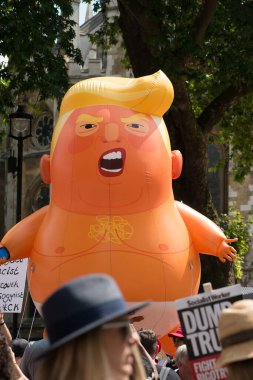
point(89, 335)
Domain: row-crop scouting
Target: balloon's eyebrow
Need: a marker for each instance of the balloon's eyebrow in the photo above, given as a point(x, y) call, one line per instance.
point(88, 118)
point(131, 119)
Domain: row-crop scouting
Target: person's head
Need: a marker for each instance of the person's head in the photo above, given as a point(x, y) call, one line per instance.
point(178, 337)
point(148, 339)
point(89, 332)
point(18, 347)
point(183, 364)
point(236, 337)
point(241, 370)
point(6, 362)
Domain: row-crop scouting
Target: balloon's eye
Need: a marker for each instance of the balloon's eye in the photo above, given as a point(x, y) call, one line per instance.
point(89, 126)
point(86, 129)
point(135, 126)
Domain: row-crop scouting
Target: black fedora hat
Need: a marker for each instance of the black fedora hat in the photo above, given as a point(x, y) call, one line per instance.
point(81, 305)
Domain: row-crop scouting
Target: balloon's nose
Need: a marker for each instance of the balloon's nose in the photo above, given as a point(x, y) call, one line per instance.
point(111, 132)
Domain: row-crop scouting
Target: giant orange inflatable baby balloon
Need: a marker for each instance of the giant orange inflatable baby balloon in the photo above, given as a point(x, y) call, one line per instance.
point(112, 208)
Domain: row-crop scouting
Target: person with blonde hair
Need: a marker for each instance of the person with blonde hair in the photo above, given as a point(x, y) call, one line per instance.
point(89, 333)
point(236, 337)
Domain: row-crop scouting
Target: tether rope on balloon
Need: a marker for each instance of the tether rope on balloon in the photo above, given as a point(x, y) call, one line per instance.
point(23, 313)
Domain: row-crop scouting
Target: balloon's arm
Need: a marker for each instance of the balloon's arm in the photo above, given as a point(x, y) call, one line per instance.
point(207, 237)
point(18, 241)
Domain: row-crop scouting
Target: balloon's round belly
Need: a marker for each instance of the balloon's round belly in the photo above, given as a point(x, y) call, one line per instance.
point(141, 275)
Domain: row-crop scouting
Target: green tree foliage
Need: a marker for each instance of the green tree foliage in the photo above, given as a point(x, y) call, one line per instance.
point(34, 37)
point(205, 48)
point(236, 128)
point(234, 225)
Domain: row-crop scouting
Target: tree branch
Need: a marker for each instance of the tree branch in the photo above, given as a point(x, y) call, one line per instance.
point(136, 39)
point(138, 12)
point(203, 20)
point(214, 112)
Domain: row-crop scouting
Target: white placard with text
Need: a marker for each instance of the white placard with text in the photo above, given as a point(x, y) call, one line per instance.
point(12, 285)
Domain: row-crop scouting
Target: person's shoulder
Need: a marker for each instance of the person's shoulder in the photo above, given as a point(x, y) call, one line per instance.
point(173, 375)
point(40, 342)
point(166, 373)
point(37, 345)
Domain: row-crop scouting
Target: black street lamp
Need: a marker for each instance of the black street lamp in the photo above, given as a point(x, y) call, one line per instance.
point(20, 129)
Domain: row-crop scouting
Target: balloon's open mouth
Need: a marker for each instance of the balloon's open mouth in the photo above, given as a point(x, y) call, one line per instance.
point(111, 163)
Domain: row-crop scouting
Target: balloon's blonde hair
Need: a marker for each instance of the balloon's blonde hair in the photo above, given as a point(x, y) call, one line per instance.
point(151, 94)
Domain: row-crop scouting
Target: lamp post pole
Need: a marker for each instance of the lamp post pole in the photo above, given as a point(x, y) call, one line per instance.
point(19, 179)
point(20, 129)
point(18, 211)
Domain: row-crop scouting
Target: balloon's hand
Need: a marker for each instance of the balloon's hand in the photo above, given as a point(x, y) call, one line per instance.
point(4, 254)
point(226, 251)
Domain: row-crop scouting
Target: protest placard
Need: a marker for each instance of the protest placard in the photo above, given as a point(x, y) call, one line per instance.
point(199, 317)
point(12, 284)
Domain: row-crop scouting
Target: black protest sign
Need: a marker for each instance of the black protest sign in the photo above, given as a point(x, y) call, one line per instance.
point(199, 317)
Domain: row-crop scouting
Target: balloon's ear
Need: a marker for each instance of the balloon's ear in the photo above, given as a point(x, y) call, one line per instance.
point(45, 168)
point(177, 163)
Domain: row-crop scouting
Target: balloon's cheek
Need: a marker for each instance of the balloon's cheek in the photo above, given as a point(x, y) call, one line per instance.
point(80, 144)
point(144, 144)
